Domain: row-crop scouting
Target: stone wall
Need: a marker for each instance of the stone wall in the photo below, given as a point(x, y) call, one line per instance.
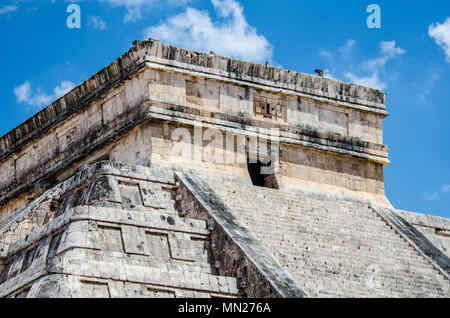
point(109, 117)
point(152, 143)
point(118, 230)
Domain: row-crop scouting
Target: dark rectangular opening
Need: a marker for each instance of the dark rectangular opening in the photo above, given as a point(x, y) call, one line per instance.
point(259, 178)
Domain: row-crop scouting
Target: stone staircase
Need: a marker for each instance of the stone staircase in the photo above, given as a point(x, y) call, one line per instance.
point(333, 248)
point(235, 249)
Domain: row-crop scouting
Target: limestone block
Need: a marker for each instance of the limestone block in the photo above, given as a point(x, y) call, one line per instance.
point(167, 88)
point(333, 120)
point(104, 188)
point(203, 94)
point(152, 195)
point(181, 247)
point(235, 100)
point(134, 240)
point(135, 148)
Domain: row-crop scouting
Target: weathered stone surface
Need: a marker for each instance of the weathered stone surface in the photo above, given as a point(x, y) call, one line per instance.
point(436, 255)
point(129, 100)
point(107, 252)
point(336, 246)
point(237, 251)
point(90, 205)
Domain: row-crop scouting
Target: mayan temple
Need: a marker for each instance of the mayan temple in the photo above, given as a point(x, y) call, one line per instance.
point(174, 173)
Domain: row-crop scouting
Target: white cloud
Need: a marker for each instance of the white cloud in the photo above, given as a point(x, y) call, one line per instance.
point(326, 53)
point(441, 35)
point(428, 87)
point(390, 48)
point(434, 196)
point(62, 89)
point(329, 74)
point(6, 9)
point(373, 67)
point(388, 51)
point(230, 36)
point(347, 49)
point(97, 23)
point(135, 7)
point(372, 80)
point(25, 94)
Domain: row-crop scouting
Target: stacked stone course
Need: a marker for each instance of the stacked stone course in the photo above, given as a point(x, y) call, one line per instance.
point(334, 248)
point(97, 200)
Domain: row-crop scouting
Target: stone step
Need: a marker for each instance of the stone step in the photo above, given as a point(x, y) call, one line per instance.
point(331, 246)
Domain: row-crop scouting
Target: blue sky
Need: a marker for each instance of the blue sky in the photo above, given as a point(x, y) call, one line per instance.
point(408, 58)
